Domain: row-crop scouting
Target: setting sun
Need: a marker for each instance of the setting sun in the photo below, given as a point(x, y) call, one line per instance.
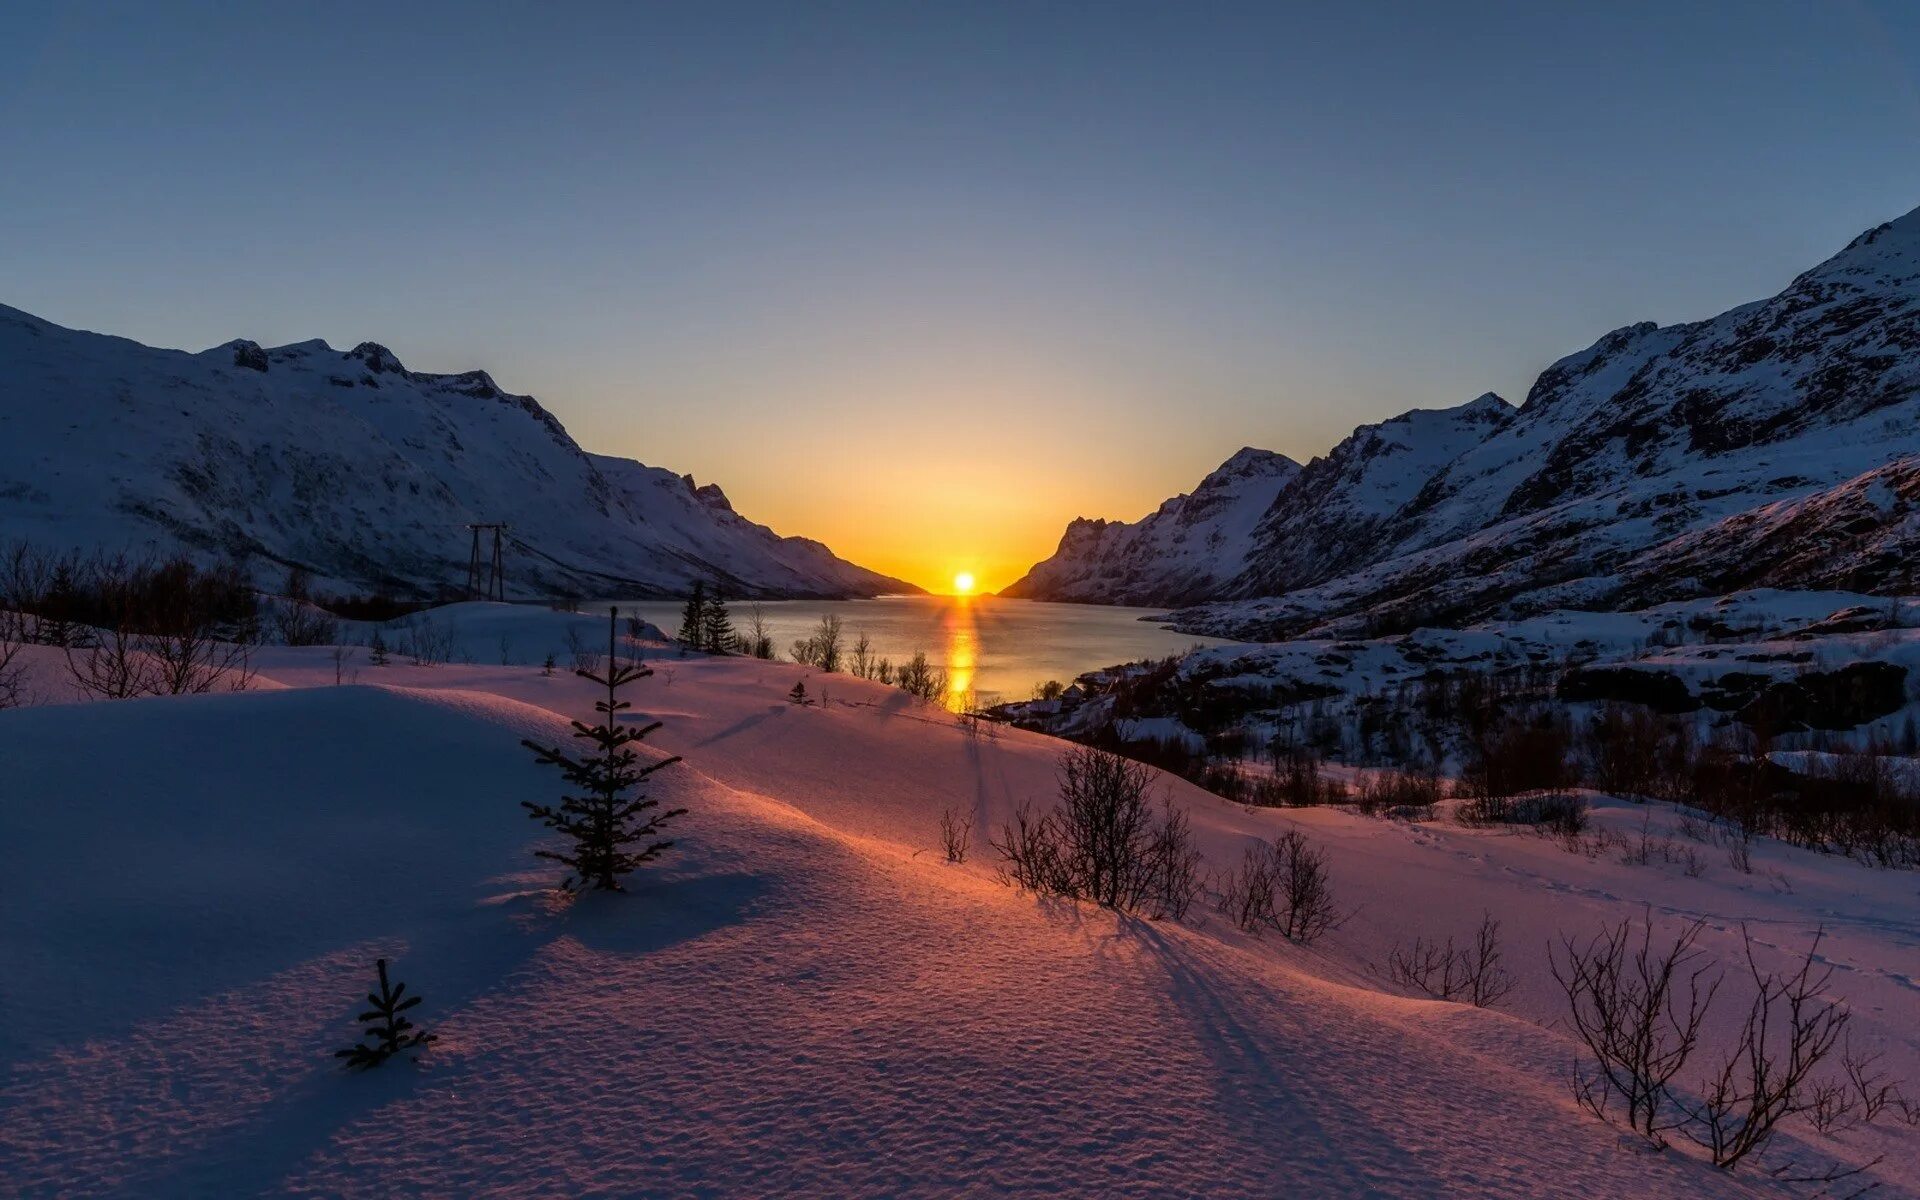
point(963, 584)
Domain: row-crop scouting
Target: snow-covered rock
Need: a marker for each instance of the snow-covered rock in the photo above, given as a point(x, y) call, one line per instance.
point(364, 472)
point(1185, 550)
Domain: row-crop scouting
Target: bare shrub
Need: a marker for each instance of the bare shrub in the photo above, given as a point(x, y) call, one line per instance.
point(1102, 842)
point(920, 679)
point(1298, 782)
point(1793, 1024)
point(1281, 885)
point(1639, 1010)
point(1448, 972)
point(428, 643)
point(1621, 745)
point(300, 623)
point(956, 835)
point(1519, 754)
point(1408, 794)
point(159, 627)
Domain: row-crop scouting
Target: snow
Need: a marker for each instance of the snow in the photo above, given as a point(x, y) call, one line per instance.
point(1187, 548)
point(365, 473)
point(802, 999)
point(1771, 445)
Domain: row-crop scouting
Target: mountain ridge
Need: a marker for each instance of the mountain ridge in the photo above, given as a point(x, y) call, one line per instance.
point(363, 472)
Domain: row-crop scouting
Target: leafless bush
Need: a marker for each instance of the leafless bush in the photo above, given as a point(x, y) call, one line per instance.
point(1102, 842)
point(1793, 1024)
point(301, 624)
point(1860, 1096)
point(1553, 814)
point(1281, 885)
point(1297, 782)
point(1622, 749)
point(921, 679)
point(1639, 1010)
point(1446, 972)
point(159, 627)
point(1736, 838)
point(1517, 755)
point(1412, 794)
point(428, 643)
point(956, 835)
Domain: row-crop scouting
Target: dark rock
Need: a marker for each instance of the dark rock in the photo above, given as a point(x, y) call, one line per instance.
point(1658, 690)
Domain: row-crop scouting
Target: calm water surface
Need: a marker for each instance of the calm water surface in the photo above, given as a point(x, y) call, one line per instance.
point(993, 649)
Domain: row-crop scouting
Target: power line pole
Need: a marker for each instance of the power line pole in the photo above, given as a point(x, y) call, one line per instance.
point(496, 587)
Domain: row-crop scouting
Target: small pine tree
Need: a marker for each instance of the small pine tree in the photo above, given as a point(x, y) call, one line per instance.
point(54, 624)
point(799, 693)
point(613, 827)
point(390, 1032)
point(377, 650)
point(693, 618)
point(547, 667)
point(716, 627)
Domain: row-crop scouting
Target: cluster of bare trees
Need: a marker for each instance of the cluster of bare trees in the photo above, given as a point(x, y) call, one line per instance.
point(1639, 1004)
point(1281, 885)
point(1472, 973)
point(128, 626)
point(1105, 841)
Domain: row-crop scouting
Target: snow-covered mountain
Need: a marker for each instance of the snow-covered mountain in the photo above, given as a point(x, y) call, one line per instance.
point(1334, 512)
point(348, 464)
point(1767, 446)
point(1185, 550)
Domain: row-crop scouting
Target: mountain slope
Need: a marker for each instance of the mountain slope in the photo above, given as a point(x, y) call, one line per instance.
point(1642, 467)
point(1332, 514)
point(362, 471)
point(1185, 550)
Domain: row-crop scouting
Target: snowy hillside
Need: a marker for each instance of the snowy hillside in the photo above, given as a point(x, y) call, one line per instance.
point(1333, 514)
point(1185, 550)
point(1765, 446)
point(802, 998)
point(348, 464)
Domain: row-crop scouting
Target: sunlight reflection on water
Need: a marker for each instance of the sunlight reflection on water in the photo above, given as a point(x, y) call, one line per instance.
point(992, 648)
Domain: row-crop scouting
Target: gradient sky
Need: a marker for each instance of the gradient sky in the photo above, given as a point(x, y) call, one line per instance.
point(927, 281)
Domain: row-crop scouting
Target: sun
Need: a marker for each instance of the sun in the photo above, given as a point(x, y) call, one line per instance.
point(963, 583)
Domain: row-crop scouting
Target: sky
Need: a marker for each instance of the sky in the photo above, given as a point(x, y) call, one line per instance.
point(925, 281)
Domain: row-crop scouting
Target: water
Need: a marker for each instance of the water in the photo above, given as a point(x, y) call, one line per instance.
point(993, 649)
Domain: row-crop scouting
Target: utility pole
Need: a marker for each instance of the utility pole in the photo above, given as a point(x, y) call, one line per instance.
point(496, 587)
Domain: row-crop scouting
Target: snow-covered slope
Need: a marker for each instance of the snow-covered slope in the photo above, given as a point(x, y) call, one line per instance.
point(1645, 467)
point(362, 471)
point(1185, 550)
point(1332, 515)
point(801, 998)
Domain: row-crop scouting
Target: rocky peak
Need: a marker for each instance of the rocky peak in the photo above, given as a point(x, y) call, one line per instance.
point(377, 358)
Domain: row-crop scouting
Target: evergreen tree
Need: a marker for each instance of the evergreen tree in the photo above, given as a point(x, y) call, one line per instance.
point(693, 618)
point(377, 650)
point(390, 1032)
point(54, 623)
point(613, 827)
point(547, 668)
point(799, 693)
point(716, 627)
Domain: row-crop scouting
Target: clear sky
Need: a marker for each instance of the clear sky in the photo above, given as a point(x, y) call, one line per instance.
point(925, 281)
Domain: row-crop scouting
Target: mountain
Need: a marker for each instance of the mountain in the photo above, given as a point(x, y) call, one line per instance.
point(1776, 444)
point(1333, 513)
point(358, 469)
point(1185, 550)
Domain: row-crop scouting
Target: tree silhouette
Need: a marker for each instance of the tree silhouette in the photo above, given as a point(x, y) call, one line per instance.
point(390, 1033)
point(613, 827)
